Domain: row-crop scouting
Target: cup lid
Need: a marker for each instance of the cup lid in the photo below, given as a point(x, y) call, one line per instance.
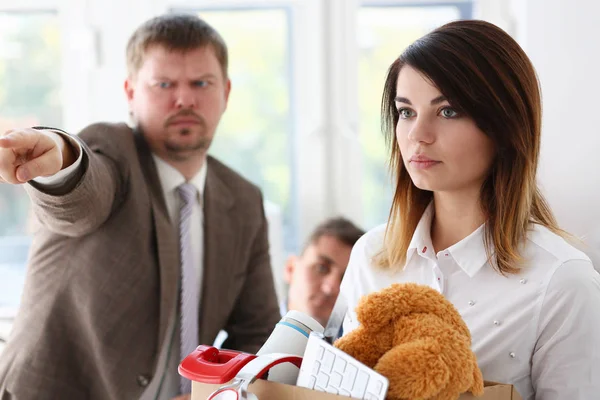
point(305, 319)
point(208, 364)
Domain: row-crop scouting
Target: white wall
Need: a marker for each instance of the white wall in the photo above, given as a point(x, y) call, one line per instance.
point(561, 37)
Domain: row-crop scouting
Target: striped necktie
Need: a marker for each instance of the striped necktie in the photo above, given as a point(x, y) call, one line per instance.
point(189, 278)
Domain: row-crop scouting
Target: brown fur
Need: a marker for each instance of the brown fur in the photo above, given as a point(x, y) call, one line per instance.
point(416, 338)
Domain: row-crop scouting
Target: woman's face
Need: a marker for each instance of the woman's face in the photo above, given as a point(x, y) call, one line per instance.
point(442, 150)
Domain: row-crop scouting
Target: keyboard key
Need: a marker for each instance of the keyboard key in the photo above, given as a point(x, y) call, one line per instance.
point(328, 360)
point(316, 367)
point(345, 393)
point(349, 378)
point(311, 382)
point(336, 380)
point(339, 365)
point(378, 387)
point(371, 396)
point(320, 352)
point(332, 390)
point(323, 379)
point(320, 389)
point(375, 385)
point(360, 386)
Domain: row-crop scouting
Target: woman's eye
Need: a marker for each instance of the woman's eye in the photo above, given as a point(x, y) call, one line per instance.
point(164, 85)
point(405, 113)
point(449, 113)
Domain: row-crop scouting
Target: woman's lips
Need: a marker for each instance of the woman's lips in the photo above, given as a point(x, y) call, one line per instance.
point(423, 162)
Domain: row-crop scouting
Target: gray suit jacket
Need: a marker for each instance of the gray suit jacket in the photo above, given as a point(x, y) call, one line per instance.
point(102, 281)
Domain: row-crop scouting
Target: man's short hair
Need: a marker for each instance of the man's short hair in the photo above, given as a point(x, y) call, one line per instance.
point(175, 32)
point(340, 228)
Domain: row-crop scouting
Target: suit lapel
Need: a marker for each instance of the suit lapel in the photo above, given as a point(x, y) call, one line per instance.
point(166, 241)
point(219, 244)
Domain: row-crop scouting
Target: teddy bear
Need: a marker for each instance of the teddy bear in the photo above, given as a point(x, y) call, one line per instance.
point(413, 336)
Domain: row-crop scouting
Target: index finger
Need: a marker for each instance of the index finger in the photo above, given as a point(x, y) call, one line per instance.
point(27, 139)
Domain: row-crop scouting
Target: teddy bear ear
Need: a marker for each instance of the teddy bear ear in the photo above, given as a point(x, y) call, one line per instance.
point(376, 310)
point(380, 308)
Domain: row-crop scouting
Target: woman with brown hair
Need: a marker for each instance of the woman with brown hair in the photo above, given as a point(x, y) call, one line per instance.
point(461, 111)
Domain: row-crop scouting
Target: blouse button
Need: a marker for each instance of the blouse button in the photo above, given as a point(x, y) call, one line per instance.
point(471, 303)
point(512, 355)
point(497, 323)
point(523, 281)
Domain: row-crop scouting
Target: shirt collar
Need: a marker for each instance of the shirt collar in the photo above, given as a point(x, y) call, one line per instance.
point(170, 178)
point(421, 240)
point(469, 254)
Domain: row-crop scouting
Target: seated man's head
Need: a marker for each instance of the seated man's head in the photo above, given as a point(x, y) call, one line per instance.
point(314, 277)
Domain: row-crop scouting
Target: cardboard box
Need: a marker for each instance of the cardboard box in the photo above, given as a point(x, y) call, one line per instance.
point(266, 390)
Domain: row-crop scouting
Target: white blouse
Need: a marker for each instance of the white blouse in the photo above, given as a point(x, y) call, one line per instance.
point(538, 330)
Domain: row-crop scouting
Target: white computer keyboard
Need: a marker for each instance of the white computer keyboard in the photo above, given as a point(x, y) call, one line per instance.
point(328, 369)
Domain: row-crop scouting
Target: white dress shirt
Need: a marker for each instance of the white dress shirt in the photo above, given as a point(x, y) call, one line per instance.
point(538, 330)
point(169, 179)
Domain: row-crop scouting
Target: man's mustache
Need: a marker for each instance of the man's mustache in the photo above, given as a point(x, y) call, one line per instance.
point(184, 114)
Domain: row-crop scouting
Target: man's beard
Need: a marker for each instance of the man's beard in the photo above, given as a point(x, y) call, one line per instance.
point(181, 152)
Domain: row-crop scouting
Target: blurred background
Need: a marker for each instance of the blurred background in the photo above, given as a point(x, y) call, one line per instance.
point(303, 118)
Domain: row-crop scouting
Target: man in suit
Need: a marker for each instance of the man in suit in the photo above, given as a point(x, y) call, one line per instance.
point(314, 277)
point(139, 232)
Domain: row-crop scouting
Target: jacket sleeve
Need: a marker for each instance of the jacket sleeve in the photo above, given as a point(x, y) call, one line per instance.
point(87, 198)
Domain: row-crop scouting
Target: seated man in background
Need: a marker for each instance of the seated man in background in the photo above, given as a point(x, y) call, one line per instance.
point(315, 275)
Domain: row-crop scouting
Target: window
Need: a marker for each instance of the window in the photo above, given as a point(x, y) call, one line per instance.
point(29, 95)
point(254, 136)
point(383, 32)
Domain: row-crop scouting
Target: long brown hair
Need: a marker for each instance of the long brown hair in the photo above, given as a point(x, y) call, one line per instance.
point(485, 75)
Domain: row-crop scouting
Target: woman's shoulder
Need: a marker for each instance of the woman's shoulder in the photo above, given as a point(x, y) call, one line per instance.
point(362, 270)
point(558, 262)
point(543, 241)
point(370, 243)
